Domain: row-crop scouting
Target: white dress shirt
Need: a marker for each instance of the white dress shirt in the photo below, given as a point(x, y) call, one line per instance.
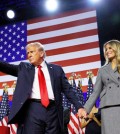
point(36, 89)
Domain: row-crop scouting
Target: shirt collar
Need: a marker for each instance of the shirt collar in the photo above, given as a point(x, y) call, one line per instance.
point(43, 64)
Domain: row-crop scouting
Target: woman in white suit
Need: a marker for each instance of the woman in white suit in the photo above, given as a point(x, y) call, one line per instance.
point(107, 86)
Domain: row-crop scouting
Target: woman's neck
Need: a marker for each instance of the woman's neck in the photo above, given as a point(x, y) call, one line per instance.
point(113, 63)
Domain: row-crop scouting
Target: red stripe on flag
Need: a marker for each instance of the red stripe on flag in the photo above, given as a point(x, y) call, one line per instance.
point(67, 37)
point(76, 61)
point(69, 13)
point(62, 26)
point(4, 122)
point(69, 49)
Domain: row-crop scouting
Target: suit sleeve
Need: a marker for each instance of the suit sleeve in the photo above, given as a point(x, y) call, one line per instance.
point(9, 68)
point(96, 92)
point(69, 93)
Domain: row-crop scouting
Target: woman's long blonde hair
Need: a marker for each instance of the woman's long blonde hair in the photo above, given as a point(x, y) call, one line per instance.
point(115, 45)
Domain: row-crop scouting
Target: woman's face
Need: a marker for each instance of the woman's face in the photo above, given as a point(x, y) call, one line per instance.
point(109, 52)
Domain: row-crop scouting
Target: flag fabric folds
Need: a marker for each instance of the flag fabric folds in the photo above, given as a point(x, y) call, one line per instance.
point(4, 130)
point(4, 106)
point(90, 88)
point(65, 102)
point(4, 112)
point(13, 127)
point(74, 124)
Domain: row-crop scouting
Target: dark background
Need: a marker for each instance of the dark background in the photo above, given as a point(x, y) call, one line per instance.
point(108, 14)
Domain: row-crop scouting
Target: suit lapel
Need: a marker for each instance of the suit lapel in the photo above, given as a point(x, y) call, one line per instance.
point(31, 72)
point(51, 72)
point(113, 73)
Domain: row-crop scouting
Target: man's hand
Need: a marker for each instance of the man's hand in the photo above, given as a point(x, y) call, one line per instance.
point(82, 113)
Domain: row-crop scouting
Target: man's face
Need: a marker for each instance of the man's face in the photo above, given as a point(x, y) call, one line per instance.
point(35, 56)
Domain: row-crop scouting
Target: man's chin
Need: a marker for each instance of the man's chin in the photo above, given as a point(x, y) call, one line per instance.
point(32, 62)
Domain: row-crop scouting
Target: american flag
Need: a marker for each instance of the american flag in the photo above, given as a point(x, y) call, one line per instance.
point(80, 93)
point(90, 88)
point(12, 49)
point(65, 102)
point(4, 112)
point(74, 124)
point(4, 107)
point(70, 40)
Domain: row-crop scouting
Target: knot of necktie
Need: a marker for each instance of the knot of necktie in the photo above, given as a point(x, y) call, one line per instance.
point(39, 66)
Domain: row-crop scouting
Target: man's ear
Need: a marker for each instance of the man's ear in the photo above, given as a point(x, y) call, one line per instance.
point(41, 54)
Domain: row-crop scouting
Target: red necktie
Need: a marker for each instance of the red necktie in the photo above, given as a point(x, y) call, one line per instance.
point(43, 88)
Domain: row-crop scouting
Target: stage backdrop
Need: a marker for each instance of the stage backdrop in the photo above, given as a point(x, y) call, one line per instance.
point(70, 40)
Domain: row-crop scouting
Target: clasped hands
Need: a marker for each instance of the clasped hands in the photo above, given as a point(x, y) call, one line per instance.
point(82, 113)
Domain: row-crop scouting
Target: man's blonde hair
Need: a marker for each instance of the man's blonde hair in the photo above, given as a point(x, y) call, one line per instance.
point(38, 45)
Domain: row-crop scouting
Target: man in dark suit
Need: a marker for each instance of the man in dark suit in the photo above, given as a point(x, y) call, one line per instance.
point(27, 108)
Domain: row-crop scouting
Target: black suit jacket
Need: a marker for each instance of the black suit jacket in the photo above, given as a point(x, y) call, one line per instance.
point(25, 73)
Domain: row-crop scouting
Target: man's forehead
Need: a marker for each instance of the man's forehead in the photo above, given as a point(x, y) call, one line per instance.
point(32, 49)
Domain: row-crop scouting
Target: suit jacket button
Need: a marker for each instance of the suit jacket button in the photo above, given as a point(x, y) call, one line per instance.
point(109, 87)
point(118, 86)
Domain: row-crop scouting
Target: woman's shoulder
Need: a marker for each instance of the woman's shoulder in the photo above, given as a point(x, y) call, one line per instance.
point(104, 66)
